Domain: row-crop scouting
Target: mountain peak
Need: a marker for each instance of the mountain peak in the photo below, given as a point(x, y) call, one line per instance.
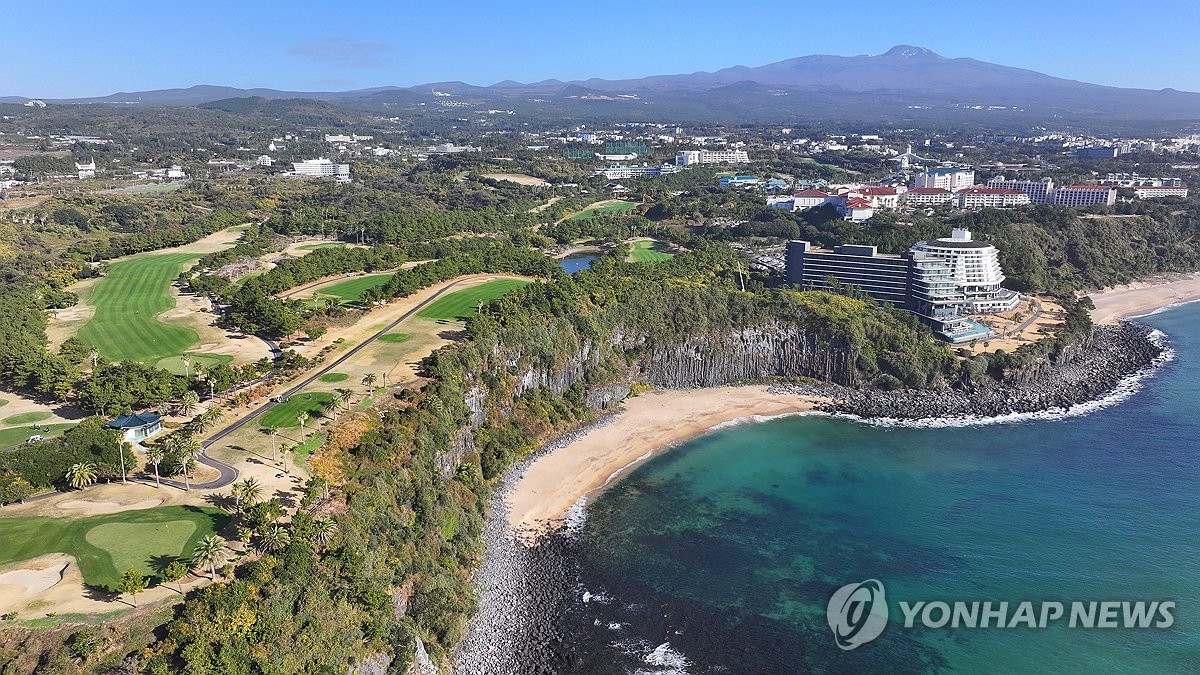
point(909, 51)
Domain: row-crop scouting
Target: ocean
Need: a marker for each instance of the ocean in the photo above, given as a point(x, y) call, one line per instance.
point(721, 555)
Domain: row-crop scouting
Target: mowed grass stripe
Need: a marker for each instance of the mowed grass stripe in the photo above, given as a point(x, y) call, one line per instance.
point(461, 305)
point(127, 300)
point(351, 290)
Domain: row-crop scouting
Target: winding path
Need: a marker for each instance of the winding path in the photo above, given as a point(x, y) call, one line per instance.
point(230, 474)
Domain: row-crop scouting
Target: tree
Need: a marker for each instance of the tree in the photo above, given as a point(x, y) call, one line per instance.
point(14, 488)
point(343, 396)
point(175, 572)
point(368, 381)
point(155, 455)
point(187, 466)
point(208, 552)
point(81, 475)
point(132, 583)
point(187, 366)
point(323, 530)
point(188, 402)
point(275, 538)
point(247, 493)
point(302, 417)
point(272, 432)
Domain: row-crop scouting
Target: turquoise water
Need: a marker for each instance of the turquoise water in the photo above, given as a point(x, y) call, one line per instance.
point(727, 549)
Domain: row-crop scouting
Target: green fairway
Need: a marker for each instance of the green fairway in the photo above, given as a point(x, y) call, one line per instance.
point(395, 337)
point(174, 364)
point(18, 435)
point(283, 415)
point(26, 418)
point(127, 300)
point(105, 546)
point(303, 451)
point(648, 251)
point(3, 403)
point(460, 305)
point(328, 244)
point(334, 377)
point(614, 207)
point(351, 290)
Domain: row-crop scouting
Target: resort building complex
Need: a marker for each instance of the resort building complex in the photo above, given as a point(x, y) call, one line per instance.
point(940, 280)
point(689, 157)
point(322, 168)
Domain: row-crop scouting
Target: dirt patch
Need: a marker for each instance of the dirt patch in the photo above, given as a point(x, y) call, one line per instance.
point(518, 178)
point(86, 507)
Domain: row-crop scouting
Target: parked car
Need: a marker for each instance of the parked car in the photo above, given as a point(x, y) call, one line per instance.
point(34, 438)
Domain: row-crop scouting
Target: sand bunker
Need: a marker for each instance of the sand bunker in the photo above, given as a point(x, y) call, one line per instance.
point(98, 508)
point(38, 575)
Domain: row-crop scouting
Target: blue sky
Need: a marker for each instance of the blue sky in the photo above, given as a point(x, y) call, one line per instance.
point(65, 48)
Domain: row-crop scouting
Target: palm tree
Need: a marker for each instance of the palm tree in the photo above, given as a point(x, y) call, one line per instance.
point(368, 381)
point(272, 432)
point(187, 366)
point(188, 402)
point(275, 538)
point(247, 493)
point(208, 551)
point(343, 397)
point(155, 456)
point(323, 530)
point(302, 417)
point(81, 475)
point(187, 466)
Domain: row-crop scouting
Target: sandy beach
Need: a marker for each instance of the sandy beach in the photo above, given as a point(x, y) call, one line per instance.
point(647, 424)
point(1142, 297)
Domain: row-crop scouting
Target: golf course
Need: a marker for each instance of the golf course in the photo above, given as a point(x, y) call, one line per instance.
point(601, 208)
point(127, 300)
point(351, 290)
point(648, 250)
point(461, 305)
point(105, 546)
point(285, 414)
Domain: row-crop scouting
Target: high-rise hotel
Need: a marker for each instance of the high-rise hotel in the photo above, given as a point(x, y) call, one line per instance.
point(940, 280)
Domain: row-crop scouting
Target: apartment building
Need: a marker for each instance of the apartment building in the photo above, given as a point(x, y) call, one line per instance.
point(1039, 191)
point(322, 168)
point(948, 178)
point(1085, 195)
point(988, 197)
point(689, 157)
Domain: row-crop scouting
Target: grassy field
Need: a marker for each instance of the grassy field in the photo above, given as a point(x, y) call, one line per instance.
point(127, 299)
point(107, 545)
point(3, 403)
point(334, 377)
point(17, 435)
point(614, 207)
point(460, 305)
point(648, 251)
point(284, 415)
point(174, 364)
point(395, 337)
point(328, 244)
point(303, 451)
point(27, 418)
point(351, 290)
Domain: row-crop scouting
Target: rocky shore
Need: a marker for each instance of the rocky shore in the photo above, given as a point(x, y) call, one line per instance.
point(1088, 373)
point(525, 590)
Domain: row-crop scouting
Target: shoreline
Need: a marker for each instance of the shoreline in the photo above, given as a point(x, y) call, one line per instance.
point(1144, 297)
point(646, 425)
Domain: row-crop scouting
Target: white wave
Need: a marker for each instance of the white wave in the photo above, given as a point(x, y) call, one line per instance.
point(613, 476)
point(664, 661)
point(575, 517)
point(1164, 308)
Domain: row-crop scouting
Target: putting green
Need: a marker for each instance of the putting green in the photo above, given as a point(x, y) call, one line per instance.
point(283, 415)
point(26, 418)
point(648, 251)
point(461, 305)
point(174, 364)
point(128, 300)
point(334, 377)
point(395, 337)
point(105, 546)
point(136, 544)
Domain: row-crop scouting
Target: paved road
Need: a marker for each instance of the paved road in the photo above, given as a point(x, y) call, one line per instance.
point(253, 414)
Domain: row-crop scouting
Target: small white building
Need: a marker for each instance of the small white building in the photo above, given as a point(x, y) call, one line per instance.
point(264, 160)
point(86, 169)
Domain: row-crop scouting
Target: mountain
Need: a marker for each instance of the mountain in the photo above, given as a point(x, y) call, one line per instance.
point(904, 83)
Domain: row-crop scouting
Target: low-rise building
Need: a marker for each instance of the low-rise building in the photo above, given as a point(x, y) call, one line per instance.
point(1039, 191)
point(1150, 192)
point(978, 197)
point(928, 196)
point(1085, 195)
point(856, 209)
point(689, 157)
point(880, 197)
point(644, 171)
point(322, 168)
point(950, 178)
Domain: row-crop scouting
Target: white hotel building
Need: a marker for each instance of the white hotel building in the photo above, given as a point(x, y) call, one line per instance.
point(976, 268)
point(948, 178)
point(322, 168)
point(689, 157)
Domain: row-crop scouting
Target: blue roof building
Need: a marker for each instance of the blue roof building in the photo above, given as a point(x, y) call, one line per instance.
point(137, 426)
